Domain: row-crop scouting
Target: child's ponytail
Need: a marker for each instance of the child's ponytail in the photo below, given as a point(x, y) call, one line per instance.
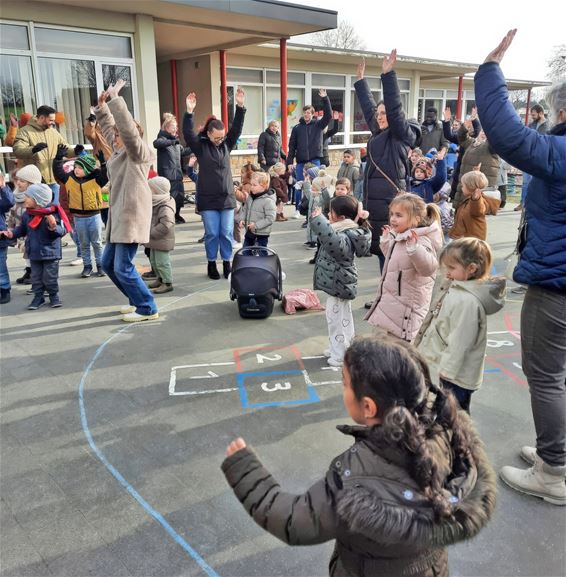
point(433, 215)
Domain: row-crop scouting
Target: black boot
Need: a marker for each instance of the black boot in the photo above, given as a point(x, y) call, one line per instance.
point(212, 270)
point(4, 296)
point(26, 277)
point(227, 268)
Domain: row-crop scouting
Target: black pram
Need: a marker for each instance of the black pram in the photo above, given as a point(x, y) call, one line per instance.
point(256, 281)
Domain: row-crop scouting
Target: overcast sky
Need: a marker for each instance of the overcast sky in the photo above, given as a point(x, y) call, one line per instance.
point(458, 31)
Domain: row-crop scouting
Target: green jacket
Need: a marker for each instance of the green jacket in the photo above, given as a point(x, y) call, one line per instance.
point(30, 135)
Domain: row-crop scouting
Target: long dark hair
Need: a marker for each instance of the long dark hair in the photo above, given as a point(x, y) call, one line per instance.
point(396, 377)
point(348, 206)
point(211, 123)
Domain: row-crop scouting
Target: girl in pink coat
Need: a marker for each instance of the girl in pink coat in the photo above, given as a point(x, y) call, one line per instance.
point(410, 243)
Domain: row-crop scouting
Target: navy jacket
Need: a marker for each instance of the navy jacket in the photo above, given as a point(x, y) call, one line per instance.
point(6, 203)
point(169, 160)
point(428, 187)
point(542, 259)
point(269, 151)
point(306, 139)
point(215, 187)
point(389, 149)
point(41, 243)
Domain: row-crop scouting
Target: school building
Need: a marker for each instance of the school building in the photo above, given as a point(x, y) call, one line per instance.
point(63, 53)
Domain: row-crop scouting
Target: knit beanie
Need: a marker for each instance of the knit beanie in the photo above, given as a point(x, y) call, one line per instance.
point(313, 172)
point(87, 163)
point(159, 185)
point(29, 173)
point(41, 193)
point(425, 165)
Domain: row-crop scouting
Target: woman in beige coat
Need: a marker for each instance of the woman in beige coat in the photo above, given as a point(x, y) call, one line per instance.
point(129, 216)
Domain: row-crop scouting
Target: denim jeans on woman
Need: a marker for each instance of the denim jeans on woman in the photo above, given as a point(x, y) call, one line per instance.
point(4, 276)
point(218, 233)
point(118, 264)
point(89, 231)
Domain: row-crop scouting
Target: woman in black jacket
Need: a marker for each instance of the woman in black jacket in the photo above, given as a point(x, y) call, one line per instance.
point(215, 188)
point(392, 136)
point(269, 150)
point(169, 163)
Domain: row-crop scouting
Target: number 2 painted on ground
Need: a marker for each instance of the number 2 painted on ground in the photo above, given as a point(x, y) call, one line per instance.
point(276, 387)
point(262, 358)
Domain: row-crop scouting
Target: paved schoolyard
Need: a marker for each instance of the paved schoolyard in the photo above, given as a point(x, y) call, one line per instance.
point(112, 434)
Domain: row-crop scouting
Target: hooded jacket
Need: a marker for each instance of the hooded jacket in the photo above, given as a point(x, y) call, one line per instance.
point(30, 135)
point(162, 234)
point(389, 149)
point(259, 208)
point(335, 271)
point(41, 242)
point(453, 336)
point(469, 219)
point(269, 151)
point(382, 523)
point(169, 161)
point(306, 139)
point(129, 214)
point(542, 260)
point(215, 187)
point(406, 284)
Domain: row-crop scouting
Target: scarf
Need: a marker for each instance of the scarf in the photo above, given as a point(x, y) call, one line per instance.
point(19, 196)
point(39, 213)
point(343, 225)
point(158, 198)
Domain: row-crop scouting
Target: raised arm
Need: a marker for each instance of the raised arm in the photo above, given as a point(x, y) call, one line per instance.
point(368, 104)
point(327, 117)
point(105, 119)
point(238, 122)
point(292, 147)
point(398, 123)
point(441, 175)
point(57, 165)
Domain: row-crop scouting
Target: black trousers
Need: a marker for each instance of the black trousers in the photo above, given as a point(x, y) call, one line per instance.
point(44, 277)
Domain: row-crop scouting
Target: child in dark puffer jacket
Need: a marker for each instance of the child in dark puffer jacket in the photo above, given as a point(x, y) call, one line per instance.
point(415, 480)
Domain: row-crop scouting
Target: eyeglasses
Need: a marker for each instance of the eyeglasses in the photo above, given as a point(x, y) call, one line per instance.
point(218, 139)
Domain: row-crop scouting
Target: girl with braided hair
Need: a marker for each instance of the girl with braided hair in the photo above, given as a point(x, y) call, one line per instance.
point(415, 480)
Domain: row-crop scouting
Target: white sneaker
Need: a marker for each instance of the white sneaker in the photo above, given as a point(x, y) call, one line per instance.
point(297, 215)
point(76, 262)
point(127, 309)
point(334, 363)
point(137, 318)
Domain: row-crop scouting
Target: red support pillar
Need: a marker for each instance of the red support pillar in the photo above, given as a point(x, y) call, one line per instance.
point(528, 107)
point(283, 96)
point(460, 94)
point(175, 94)
point(223, 88)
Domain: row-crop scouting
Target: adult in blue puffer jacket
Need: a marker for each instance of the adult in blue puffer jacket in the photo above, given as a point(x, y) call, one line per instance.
point(542, 266)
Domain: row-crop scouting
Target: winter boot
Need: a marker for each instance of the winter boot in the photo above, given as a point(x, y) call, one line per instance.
point(212, 270)
point(541, 480)
point(4, 296)
point(26, 277)
point(154, 284)
point(165, 287)
point(149, 275)
point(226, 268)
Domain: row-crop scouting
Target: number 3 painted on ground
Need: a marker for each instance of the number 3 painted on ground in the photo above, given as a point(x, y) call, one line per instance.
point(275, 387)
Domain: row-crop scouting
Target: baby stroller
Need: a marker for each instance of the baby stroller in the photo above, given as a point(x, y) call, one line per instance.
point(256, 281)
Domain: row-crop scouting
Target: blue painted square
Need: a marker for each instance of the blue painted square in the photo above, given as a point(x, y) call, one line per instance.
point(312, 396)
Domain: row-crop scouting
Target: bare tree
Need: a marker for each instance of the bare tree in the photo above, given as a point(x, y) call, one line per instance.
point(344, 37)
point(557, 64)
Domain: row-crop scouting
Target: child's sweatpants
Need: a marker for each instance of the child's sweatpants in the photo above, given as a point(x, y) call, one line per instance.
point(161, 264)
point(340, 326)
point(44, 277)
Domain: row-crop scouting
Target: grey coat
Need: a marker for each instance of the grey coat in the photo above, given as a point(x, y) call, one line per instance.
point(162, 235)
point(433, 139)
point(351, 172)
point(335, 271)
point(261, 210)
point(381, 520)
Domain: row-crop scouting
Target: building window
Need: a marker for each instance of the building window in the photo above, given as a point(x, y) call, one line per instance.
point(72, 42)
point(337, 98)
point(16, 81)
point(14, 37)
point(295, 103)
point(111, 73)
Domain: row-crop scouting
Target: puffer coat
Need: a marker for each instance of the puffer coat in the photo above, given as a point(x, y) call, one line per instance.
point(389, 149)
point(305, 142)
point(368, 502)
point(335, 271)
point(260, 209)
point(269, 150)
point(162, 235)
point(169, 161)
point(406, 284)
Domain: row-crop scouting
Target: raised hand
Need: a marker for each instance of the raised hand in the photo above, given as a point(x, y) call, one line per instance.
point(441, 154)
point(498, 53)
point(316, 212)
point(412, 240)
point(39, 147)
point(13, 120)
point(114, 89)
point(389, 62)
point(385, 230)
point(447, 114)
point(103, 97)
point(240, 97)
point(474, 113)
point(322, 92)
point(361, 69)
point(191, 102)
point(192, 160)
point(61, 151)
point(235, 446)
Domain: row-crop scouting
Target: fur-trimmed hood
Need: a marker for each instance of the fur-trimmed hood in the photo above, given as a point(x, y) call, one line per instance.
point(383, 503)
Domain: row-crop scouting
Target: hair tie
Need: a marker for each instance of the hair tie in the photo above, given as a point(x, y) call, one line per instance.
point(363, 214)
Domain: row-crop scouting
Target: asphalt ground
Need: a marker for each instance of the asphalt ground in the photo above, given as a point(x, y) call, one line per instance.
point(112, 434)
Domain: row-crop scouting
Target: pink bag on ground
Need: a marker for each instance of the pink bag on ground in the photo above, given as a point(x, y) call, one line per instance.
point(301, 299)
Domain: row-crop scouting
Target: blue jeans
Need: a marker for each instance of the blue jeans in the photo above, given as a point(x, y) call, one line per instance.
point(77, 241)
point(526, 181)
point(301, 177)
point(463, 396)
point(118, 264)
point(89, 230)
point(218, 232)
point(55, 190)
point(4, 276)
